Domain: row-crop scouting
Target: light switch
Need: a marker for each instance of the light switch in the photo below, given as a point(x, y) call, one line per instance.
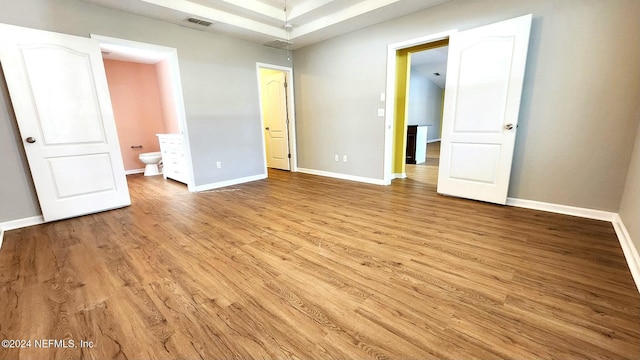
point(382, 96)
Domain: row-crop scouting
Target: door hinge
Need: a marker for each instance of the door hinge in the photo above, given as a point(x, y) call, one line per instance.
point(289, 156)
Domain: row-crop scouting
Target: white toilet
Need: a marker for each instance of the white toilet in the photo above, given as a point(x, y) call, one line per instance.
point(151, 159)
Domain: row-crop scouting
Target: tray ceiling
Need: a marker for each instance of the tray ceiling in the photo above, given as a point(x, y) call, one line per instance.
point(263, 21)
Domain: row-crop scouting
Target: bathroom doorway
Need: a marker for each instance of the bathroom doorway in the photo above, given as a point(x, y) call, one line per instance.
point(146, 92)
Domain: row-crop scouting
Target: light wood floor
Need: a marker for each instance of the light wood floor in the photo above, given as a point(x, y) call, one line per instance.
point(299, 266)
point(427, 172)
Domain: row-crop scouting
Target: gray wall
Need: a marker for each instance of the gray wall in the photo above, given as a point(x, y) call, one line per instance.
point(17, 195)
point(630, 204)
point(425, 104)
point(219, 81)
point(578, 119)
point(579, 105)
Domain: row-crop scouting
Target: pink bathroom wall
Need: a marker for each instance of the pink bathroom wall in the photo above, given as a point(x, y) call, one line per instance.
point(166, 94)
point(137, 107)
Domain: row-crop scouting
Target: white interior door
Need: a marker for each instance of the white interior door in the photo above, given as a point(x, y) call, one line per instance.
point(276, 120)
point(485, 72)
point(61, 100)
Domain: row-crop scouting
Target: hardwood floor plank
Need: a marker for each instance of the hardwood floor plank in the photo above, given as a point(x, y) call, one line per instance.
point(339, 318)
point(300, 266)
point(592, 294)
point(572, 324)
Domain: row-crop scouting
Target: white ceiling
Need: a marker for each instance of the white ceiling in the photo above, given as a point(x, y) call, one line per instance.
point(263, 21)
point(430, 62)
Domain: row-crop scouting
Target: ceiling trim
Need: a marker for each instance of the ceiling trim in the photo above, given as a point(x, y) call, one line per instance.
point(259, 7)
point(346, 14)
point(305, 7)
point(219, 16)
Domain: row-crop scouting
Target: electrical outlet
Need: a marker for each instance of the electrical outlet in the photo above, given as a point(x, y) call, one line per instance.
point(380, 112)
point(344, 158)
point(337, 157)
point(219, 164)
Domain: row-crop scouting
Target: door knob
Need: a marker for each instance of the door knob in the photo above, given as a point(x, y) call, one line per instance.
point(267, 128)
point(508, 126)
point(30, 140)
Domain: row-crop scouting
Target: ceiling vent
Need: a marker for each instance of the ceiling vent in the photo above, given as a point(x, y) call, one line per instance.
point(279, 44)
point(199, 21)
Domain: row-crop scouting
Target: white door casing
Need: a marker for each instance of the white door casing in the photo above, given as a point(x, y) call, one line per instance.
point(59, 93)
point(276, 121)
point(134, 51)
point(485, 74)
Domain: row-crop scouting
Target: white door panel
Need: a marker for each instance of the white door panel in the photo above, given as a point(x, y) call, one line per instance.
point(483, 79)
point(474, 162)
point(485, 73)
point(58, 111)
point(278, 149)
point(60, 97)
point(70, 183)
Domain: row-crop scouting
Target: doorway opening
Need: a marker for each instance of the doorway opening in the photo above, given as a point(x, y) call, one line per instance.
point(486, 71)
point(424, 110)
point(275, 88)
point(415, 91)
point(163, 61)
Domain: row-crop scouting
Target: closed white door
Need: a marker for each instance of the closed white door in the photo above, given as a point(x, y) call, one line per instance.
point(276, 120)
point(61, 100)
point(485, 73)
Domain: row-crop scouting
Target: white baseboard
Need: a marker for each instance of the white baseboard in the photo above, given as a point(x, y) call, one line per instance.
point(399, 176)
point(134, 171)
point(562, 209)
point(628, 248)
point(19, 223)
point(342, 176)
point(229, 182)
point(434, 140)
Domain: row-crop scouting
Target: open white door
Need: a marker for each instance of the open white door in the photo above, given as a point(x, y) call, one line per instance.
point(276, 120)
point(61, 100)
point(485, 72)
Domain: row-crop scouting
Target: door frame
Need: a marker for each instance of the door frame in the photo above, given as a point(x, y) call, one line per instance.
point(135, 51)
point(291, 129)
point(389, 121)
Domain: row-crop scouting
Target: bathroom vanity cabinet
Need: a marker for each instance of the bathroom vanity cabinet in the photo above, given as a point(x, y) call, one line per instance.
point(173, 159)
